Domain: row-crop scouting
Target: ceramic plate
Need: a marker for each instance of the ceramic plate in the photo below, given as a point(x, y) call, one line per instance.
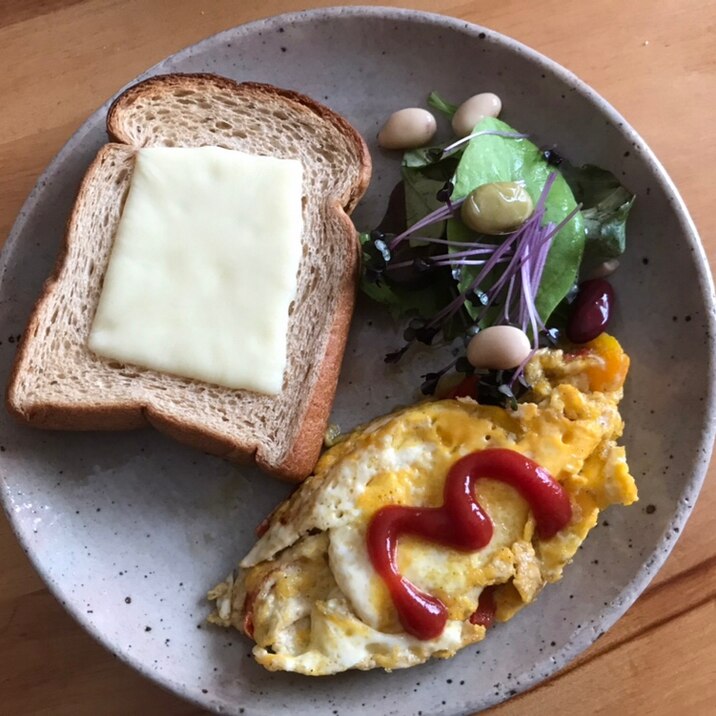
point(130, 529)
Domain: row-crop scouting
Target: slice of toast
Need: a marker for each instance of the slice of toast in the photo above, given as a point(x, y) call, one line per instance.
point(58, 383)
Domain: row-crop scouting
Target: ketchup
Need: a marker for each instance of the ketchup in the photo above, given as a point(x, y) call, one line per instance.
point(460, 524)
point(484, 615)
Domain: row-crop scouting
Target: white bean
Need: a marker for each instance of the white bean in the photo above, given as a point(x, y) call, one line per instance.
point(472, 110)
point(604, 269)
point(407, 129)
point(498, 348)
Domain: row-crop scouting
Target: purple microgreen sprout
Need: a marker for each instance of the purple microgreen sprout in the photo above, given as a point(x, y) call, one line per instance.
point(445, 194)
point(523, 256)
point(431, 380)
point(519, 371)
point(440, 214)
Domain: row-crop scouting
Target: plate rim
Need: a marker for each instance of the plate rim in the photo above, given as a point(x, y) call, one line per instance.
point(582, 638)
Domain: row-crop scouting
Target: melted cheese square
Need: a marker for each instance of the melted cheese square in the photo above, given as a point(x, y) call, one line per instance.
point(204, 267)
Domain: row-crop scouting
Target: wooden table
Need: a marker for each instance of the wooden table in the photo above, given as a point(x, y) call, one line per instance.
point(655, 60)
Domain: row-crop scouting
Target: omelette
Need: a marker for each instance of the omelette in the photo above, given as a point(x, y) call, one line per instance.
point(309, 593)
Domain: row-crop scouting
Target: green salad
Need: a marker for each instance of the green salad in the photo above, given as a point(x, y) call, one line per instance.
point(442, 264)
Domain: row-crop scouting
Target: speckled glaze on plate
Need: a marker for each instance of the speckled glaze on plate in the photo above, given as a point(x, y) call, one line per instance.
point(129, 529)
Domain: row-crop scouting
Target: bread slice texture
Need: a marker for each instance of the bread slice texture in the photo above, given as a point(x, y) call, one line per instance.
point(58, 383)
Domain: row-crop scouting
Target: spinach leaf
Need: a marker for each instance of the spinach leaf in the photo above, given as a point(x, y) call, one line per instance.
point(605, 208)
point(427, 157)
point(420, 200)
point(441, 105)
point(464, 275)
point(590, 185)
point(422, 157)
point(490, 158)
point(560, 315)
point(422, 183)
point(401, 301)
point(606, 227)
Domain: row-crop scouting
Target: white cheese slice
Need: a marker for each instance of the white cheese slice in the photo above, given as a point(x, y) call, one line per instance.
point(204, 267)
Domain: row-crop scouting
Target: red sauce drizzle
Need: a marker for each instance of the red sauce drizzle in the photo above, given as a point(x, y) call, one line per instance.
point(249, 614)
point(484, 615)
point(262, 529)
point(460, 524)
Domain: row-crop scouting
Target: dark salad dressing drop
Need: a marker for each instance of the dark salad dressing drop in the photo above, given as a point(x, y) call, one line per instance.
point(394, 220)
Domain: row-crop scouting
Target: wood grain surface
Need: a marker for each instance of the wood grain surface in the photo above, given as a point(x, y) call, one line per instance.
point(655, 60)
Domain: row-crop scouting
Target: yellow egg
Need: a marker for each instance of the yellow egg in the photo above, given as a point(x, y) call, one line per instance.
point(307, 592)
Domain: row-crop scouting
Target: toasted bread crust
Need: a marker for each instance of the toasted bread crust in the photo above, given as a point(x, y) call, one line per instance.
point(170, 82)
point(301, 456)
point(71, 417)
point(305, 451)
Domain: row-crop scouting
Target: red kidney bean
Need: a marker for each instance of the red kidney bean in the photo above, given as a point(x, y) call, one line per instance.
point(591, 310)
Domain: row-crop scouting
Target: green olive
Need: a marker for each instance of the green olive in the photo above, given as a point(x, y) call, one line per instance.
point(497, 208)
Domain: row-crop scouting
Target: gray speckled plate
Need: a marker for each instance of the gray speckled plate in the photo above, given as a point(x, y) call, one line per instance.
point(130, 529)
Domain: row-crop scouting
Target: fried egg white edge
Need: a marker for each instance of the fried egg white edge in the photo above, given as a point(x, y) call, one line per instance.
point(333, 501)
point(340, 642)
point(346, 633)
